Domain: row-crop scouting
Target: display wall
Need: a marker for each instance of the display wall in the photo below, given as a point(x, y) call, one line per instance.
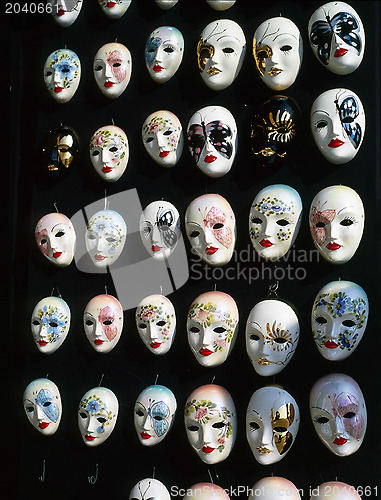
point(70, 467)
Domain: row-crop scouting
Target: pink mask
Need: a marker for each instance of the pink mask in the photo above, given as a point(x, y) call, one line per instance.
point(112, 69)
point(55, 237)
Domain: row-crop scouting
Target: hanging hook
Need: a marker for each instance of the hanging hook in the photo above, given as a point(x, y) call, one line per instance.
point(47, 375)
point(157, 376)
point(272, 289)
point(101, 379)
point(42, 477)
point(161, 290)
point(112, 121)
point(105, 200)
point(106, 290)
point(213, 379)
point(55, 206)
point(210, 476)
point(153, 472)
point(93, 479)
point(215, 286)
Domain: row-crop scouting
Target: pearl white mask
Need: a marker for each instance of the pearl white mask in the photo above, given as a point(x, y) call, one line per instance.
point(43, 406)
point(109, 152)
point(114, 9)
point(337, 37)
point(163, 138)
point(211, 423)
point(105, 237)
point(278, 52)
point(62, 73)
point(220, 53)
point(64, 12)
point(55, 237)
point(97, 414)
point(220, 4)
point(163, 53)
point(156, 323)
point(274, 220)
point(50, 324)
point(212, 326)
point(272, 423)
point(206, 491)
point(103, 322)
point(213, 140)
point(211, 228)
point(272, 335)
point(154, 413)
point(338, 320)
point(149, 488)
point(338, 125)
point(112, 69)
point(338, 413)
point(337, 223)
point(335, 490)
point(274, 488)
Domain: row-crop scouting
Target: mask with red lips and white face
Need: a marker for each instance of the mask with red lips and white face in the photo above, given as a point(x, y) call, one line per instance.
point(65, 12)
point(109, 152)
point(338, 413)
point(114, 9)
point(274, 488)
point(43, 406)
point(103, 322)
point(62, 74)
point(55, 237)
point(162, 136)
point(211, 228)
point(112, 69)
point(163, 53)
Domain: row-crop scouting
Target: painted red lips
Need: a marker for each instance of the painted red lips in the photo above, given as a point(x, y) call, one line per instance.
point(43, 425)
point(157, 68)
point(56, 255)
point(335, 143)
point(61, 12)
point(266, 243)
point(333, 246)
point(155, 248)
point(330, 344)
point(211, 250)
point(99, 257)
point(43, 343)
point(340, 52)
point(98, 342)
point(89, 437)
point(58, 89)
point(207, 449)
point(106, 169)
point(155, 345)
point(145, 435)
point(210, 158)
point(163, 154)
point(108, 84)
point(109, 5)
point(340, 441)
point(205, 352)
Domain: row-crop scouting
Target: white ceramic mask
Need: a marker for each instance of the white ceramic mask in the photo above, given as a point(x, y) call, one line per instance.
point(97, 414)
point(154, 413)
point(278, 52)
point(109, 152)
point(212, 325)
point(213, 140)
point(272, 423)
point(337, 223)
point(211, 228)
point(220, 4)
point(338, 320)
point(103, 322)
point(272, 335)
point(149, 488)
point(338, 413)
point(335, 490)
point(206, 491)
point(55, 237)
point(274, 220)
point(156, 323)
point(43, 406)
point(105, 237)
point(62, 73)
point(274, 488)
point(163, 53)
point(211, 423)
point(65, 12)
point(50, 324)
point(220, 53)
point(338, 125)
point(112, 69)
point(163, 138)
point(114, 9)
point(337, 37)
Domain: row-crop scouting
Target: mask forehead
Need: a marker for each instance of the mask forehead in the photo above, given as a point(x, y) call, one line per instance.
point(220, 4)
point(158, 393)
point(65, 12)
point(274, 488)
point(43, 406)
point(60, 149)
point(62, 73)
point(338, 491)
point(109, 152)
point(206, 491)
point(149, 488)
point(114, 9)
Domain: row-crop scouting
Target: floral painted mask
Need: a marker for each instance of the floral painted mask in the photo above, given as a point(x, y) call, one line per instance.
point(274, 488)
point(156, 323)
point(60, 150)
point(109, 152)
point(339, 318)
point(97, 414)
point(65, 12)
point(43, 406)
point(338, 413)
point(272, 423)
point(163, 53)
point(211, 423)
point(149, 488)
point(103, 322)
point(212, 326)
point(55, 237)
point(154, 413)
point(162, 136)
point(114, 9)
point(112, 69)
point(62, 73)
point(220, 4)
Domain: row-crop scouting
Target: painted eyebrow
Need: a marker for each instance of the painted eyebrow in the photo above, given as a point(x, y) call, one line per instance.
point(57, 225)
point(285, 34)
point(195, 223)
point(322, 409)
point(228, 36)
point(344, 208)
point(255, 323)
point(255, 411)
point(320, 111)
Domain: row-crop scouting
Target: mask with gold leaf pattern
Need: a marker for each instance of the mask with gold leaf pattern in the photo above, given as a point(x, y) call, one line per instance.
point(59, 150)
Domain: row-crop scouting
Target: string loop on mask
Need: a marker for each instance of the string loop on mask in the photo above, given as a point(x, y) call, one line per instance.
point(42, 477)
point(272, 290)
point(94, 479)
point(100, 382)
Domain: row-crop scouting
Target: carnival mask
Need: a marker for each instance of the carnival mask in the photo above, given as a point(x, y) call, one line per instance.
point(149, 488)
point(105, 237)
point(103, 322)
point(335, 490)
point(212, 325)
point(162, 136)
point(112, 69)
point(274, 488)
point(206, 491)
point(163, 53)
point(220, 4)
point(211, 423)
point(338, 413)
point(50, 324)
point(62, 73)
point(338, 125)
point(65, 12)
point(109, 152)
point(43, 406)
point(211, 228)
point(337, 223)
point(156, 323)
point(60, 150)
point(274, 221)
point(220, 53)
point(213, 140)
point(278, 52)
point(55, 237)
point(272, 423)
point(97, 414)
point(154, 413)
point(114, 9)
point(337, 37)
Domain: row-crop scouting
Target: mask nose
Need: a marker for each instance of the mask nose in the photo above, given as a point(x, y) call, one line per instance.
point(105, 155)
point(108, 71)
point(161, 142)
point(206, 337)
point(147, 423)
point(155, 238)
point(337, 128)
point(209, 237)
point(207, 435)
point(338, 427)
point(267, 435)
point(40, 413)
point(92, 425)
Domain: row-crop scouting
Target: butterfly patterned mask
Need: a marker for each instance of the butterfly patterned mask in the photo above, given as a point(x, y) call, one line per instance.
point(109, 152)
point(43, 406)
point(337, 37)
point(163, 138)
point(114, 9)
point(147, 489)
point(60, 150)
point(65, 12)
point(163, 53)
point(154, 413)
point(274, 488)
point(62, 73)
point(112, 69)
point(55, 237)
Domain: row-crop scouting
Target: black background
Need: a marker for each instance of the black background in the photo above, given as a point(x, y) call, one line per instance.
point(130, 367)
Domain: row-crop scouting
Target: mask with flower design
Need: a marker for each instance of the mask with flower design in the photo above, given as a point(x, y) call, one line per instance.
point(211, 422)
point(97, 414)
point(212, 327)
point(339, 317)
point(109, 152)
point(114, 9)
point(62, 73)
point(163, 139)
point(55, 237)
point(43, 405)
point(65, 12)
point(112, 69)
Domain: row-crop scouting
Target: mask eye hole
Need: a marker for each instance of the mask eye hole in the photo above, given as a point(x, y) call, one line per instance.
point(256, 220)
point(280, 340)
point(168, 132)
point(53, 324)
point(158, 418)
point(220, 329)
point(43, 241)
point(320, 224)
point(322, 420)
point(35, 322)
point(149, 139)
point(98, 68)
point(321, 124)
point(350, 414)
point(82, 414)
point(46, 404)
point(65, 70)
point(101, 420)
point(286, 48)
point(254, 337)
point(110, 239)
point(254, 426)
point(139, 413)
point(218, 226)
point(161, 323)
point(219, 425)
point(262, 54)
point(95, 153)
point(169, 50)
point(228, 50)
point(280, 429)
point(49, 73)
point(116, 65)
point(143, 326)
point(349, 323)
point(194, 234)
point(193, 428)
point(29, 409)
point(107, 322)
point(89, 322)
point(194, 329)
point(114, 149)
point(60, 234)
point(321, 320)
point(346, 222)
point(282, 222)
